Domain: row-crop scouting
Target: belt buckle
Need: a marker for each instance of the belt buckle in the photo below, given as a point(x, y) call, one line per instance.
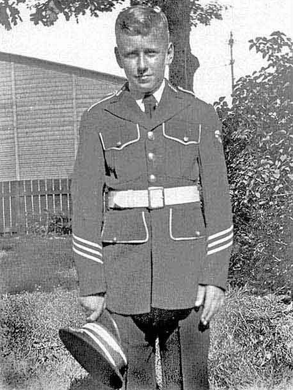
point(156, 197)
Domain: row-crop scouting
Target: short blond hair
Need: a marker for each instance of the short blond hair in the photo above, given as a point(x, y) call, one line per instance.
point(141, 20)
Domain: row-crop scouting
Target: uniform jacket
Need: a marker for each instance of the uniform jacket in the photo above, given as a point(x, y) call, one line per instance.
point(142, 257)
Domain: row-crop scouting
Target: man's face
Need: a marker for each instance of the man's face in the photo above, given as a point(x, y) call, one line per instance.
point(144, 59)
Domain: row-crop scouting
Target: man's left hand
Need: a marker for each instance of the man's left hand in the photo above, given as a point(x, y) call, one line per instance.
point(212, 299)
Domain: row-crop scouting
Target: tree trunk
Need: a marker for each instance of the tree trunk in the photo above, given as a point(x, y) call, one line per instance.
point(185, 64)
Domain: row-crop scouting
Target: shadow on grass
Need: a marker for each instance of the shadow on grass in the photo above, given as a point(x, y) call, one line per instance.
point(86, 383)
point(29, 263)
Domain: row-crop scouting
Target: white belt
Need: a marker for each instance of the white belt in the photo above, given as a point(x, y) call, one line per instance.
point(153, 197)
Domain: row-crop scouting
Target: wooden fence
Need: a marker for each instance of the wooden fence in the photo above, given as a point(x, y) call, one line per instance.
point(28, 206)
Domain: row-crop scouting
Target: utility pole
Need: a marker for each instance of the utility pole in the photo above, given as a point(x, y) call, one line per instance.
point(232, 61)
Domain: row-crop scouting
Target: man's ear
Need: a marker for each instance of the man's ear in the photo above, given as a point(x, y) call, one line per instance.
point(170, 53)
point(118, 58)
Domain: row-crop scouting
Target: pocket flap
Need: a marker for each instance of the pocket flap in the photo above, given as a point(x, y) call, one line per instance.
point(184, 132)
point(125, 227)
point(118, 138)
point(186, 222)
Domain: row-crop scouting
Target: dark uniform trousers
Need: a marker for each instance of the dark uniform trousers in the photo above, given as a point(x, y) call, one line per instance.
point(183, 349)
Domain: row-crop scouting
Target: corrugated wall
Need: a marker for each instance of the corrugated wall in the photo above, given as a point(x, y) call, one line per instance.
point(7, 141)
point(40, 110)
point(41, 104)
point(89, 91)
point(44, 122)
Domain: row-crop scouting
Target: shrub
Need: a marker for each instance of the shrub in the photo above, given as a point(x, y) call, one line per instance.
point(258, 145)
point(56, 223)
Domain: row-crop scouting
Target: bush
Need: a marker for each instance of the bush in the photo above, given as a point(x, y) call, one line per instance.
point(55, 223)
point(258, 145)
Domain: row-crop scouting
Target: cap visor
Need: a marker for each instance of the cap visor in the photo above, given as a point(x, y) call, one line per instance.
point(91, 357)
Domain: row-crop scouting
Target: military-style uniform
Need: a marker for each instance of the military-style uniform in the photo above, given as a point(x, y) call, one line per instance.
point(154, 253)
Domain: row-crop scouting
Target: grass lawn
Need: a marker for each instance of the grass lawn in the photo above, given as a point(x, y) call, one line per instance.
point(252, 337)
point(28, 263)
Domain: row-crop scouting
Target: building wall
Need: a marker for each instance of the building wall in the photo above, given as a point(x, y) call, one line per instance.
point(7, 142)
point(41, 104)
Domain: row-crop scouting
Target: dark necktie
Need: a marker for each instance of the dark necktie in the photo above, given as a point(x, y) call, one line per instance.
point(150, 104)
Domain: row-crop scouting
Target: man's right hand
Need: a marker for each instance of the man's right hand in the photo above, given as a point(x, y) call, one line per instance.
point(94, 306)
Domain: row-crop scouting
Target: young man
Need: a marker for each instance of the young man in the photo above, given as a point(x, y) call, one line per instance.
point(152, 220)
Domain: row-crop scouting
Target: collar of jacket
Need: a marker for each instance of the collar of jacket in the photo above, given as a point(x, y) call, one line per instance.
point(124, 106)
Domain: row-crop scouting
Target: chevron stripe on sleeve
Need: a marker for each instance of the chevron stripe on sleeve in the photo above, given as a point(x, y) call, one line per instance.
point(87, 249)
point(220, 241)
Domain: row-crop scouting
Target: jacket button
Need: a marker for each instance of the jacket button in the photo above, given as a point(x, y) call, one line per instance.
point(151, 156)
point(152, 178)
point(151, 135)
point(185, 139)
point(119, 144)
point(197, 233)
point(114, 239)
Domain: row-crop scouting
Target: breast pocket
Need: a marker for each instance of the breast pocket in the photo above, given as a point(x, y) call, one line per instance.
point(123, 149)
point(182, 143)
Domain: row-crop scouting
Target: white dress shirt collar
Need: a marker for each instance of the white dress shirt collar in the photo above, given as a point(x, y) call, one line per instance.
point(157, 95)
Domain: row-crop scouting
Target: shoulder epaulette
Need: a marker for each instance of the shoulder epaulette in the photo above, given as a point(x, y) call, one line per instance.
point(107, 97)
point(186, 91)
point(122, 89)
point(172, 87)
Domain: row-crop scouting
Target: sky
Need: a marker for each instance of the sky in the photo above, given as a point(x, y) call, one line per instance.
point(90, 43)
